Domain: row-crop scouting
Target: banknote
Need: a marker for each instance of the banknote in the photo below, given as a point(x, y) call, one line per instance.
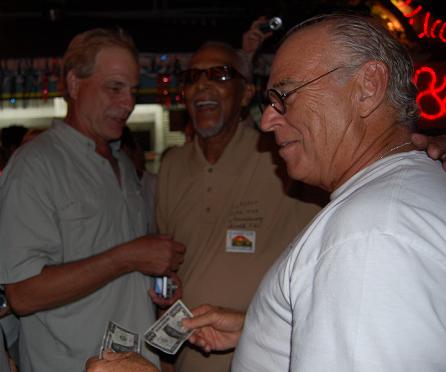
point(167, 333)
point(120, 339)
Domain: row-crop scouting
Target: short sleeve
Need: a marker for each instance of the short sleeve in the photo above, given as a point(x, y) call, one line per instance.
point(28, 229)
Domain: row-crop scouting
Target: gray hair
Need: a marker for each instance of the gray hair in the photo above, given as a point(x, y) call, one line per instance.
point(364, 39)
point(241, 60)
point(84, 47)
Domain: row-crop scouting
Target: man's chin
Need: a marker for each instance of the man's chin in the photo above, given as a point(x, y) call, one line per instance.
point(209, 132)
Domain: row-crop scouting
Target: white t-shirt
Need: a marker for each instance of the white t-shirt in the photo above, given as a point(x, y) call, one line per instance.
point(363, 287)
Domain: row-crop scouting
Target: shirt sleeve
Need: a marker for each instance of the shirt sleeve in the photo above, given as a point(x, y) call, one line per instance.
point(372, 305)
point(29, 235)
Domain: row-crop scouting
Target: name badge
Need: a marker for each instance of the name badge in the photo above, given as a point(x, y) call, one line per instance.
point(241, 241)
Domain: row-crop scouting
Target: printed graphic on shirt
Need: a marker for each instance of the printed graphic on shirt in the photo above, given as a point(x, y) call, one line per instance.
point(240, 241)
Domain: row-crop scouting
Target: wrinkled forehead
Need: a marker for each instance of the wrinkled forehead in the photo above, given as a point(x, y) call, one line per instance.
point(310, 49)
point(211, 56)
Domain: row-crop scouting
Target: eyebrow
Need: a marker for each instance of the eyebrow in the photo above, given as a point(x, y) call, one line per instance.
point(285, 83)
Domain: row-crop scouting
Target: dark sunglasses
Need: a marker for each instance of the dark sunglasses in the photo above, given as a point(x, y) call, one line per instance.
point(217, 73)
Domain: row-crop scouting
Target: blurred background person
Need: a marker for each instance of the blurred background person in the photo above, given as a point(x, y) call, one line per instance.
point(148, 180)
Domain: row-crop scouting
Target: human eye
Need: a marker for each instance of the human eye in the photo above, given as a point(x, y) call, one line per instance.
point(115, 87)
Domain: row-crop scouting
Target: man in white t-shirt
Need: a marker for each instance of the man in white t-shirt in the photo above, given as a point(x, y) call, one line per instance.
point(362, 287)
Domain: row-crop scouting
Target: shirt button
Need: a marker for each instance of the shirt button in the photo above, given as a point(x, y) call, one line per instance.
point(209, 189)
point(210, 170)
point(208, 209)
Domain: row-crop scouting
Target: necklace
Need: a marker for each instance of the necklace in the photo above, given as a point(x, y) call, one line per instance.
point(393, 149)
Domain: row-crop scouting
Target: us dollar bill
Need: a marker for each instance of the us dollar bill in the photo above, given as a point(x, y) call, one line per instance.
point(120, 339)
point(167, 333)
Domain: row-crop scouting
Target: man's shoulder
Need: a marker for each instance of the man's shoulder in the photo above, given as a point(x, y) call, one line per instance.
point(410, 187)
point(35, 156)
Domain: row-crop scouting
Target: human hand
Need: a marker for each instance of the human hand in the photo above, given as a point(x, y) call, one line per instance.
point(165, 302)
point(120, 362)
point(434, 146)
point(253, 38)
point(12, 365)
point(156, 255)
point(216, 328)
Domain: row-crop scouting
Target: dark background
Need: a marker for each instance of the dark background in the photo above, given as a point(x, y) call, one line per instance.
point(39, 28)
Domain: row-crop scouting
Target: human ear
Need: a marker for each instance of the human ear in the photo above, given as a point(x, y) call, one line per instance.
point(248, 93)
point(372, 86)
point(72, 84)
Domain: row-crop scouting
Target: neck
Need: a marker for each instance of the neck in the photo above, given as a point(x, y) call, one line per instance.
point(213, 147)
point(102, 147)
point(396, 139)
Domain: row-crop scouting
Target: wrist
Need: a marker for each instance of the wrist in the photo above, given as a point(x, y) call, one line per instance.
point(118, 258)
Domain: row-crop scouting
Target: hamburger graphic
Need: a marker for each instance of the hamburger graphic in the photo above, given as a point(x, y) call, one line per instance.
point(241, 241)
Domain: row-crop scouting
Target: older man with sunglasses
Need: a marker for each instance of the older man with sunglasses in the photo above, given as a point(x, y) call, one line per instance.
point(220, 195)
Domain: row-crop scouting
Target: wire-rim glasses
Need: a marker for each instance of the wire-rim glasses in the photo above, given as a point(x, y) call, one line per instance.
point(277, 99)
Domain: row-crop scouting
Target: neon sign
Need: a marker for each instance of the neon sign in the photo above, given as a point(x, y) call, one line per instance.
point(431, 28)
point(432, 93)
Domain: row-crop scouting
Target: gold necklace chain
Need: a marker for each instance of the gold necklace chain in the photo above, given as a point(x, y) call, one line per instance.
point(394, 148)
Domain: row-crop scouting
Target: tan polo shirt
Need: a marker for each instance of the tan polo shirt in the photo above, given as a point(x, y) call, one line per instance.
point(235, 220)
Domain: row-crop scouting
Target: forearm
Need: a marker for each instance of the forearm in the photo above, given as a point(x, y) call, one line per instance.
point(58, 285)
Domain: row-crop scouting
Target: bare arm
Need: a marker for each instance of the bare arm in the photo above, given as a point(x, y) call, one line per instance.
point(58, 285)
point(253, 38)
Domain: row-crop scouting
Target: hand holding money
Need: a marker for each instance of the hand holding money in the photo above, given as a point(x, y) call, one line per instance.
point(216, 328)
point(119, 339)
point(120, 362)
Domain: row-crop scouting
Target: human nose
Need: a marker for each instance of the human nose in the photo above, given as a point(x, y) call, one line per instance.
point(203, 78)
point(128, 101)
point(270, 119)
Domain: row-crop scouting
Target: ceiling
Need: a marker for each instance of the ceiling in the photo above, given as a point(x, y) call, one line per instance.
point(35, 28)
point(43, 28)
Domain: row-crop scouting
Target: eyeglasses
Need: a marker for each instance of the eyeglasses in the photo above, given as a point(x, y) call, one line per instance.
point(217, 73)
point(277, 99)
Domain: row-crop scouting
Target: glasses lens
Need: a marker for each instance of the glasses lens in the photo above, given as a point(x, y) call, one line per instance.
point(276, 101)
point(220, 73)
point(217, 73)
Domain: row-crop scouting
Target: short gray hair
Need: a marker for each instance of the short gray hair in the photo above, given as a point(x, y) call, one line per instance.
point(365, 39)
point(84, 47)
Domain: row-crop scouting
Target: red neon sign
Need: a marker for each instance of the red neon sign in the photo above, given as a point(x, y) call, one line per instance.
point(431, 28)
point(432, 93)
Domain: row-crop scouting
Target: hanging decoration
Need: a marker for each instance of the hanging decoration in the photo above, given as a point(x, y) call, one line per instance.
point(41, 78)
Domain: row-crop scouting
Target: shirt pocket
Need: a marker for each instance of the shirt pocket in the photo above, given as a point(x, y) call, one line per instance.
point(83, 226)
